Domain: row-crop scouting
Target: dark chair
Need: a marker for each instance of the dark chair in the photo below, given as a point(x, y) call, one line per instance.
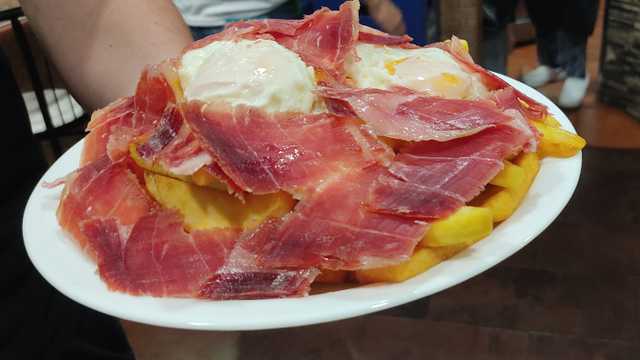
point(52, 112)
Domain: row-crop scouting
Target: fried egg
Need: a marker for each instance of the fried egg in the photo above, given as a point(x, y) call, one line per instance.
point(429, 70)
point(258, 73)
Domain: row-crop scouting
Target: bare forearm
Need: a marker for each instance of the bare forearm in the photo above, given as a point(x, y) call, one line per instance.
point(101, 46)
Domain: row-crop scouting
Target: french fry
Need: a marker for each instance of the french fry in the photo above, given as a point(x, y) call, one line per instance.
point(206, 208)
point(509, 177)
point(422, 260)
point(504, 201)
point(499, 201)
point(419, 262)
point(557, 142)
point(468, 224)
point(530, 163)
point(551, 121)
point(332, 276)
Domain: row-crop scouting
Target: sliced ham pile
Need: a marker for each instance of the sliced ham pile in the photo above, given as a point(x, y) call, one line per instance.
point(360, 203)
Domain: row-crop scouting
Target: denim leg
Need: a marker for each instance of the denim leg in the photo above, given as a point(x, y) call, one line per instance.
point(572, 52)
point(547, 48)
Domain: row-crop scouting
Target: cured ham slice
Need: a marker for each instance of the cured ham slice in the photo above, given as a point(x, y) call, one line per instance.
point(242, 278)
point(158, 257)
point(510, 98)
point(114, 119)
point(264, 153)
point(322, 39)
point(154, 92)
point(407, 115)
point(102, 189)
point(143, 250)
point(173, 146)
point(373, 36)
point(112, 128)
point(332, 229)
point(258, 284)
point(430, 180)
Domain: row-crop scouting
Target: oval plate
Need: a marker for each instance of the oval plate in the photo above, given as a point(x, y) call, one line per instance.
point(63, 265)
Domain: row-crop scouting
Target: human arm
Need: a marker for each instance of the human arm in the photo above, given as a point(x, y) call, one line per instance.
point(101, 46)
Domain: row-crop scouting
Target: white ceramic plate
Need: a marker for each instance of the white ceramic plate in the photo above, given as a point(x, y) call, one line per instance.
point(67, 269)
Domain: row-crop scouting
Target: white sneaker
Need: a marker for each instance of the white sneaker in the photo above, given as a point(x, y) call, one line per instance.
point(573, 92)
point(543, 75)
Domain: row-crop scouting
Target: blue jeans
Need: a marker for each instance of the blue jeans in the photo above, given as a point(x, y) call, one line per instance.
point(562, 29)
point(560, 49)
point(289, 10)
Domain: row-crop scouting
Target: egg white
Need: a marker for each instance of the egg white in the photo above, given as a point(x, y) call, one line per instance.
point(429, 70)
point(259, 73)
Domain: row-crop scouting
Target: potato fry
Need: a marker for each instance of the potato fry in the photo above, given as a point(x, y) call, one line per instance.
point(504, 201)
point(530, 163)
point(509, 177)
point(467, 224)
point(557, 142)
point(419, 262)
point(206, 208)
point(499, 201)
point(422, 260)
point(332, 276)
point(551, 121)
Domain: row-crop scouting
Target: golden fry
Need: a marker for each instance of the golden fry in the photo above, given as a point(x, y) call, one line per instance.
point(467, 224)
point(557, 142)
point(504, 201)
point(551, 121)
point(206, 208)
point(499, 201)
point(510, 176)
point(421, 260)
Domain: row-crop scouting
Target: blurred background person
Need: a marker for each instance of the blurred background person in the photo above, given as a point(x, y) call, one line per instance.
point(496, 38)
point(562, 28)
point(206, 17)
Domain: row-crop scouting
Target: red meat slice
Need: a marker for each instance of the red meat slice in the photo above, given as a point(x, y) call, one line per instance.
point(407, 115)
point(264, 153)
point(333, 229)
point(430, 180)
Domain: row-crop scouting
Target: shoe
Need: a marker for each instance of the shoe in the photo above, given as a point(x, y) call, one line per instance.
point(573, 92)
point(543, 75)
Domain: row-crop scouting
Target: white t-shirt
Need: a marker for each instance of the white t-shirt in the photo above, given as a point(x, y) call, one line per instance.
point(207, 13)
